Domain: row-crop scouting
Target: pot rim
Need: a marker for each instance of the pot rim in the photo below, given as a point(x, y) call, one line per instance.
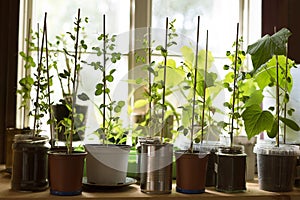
point(271, 149)
point(64, 153)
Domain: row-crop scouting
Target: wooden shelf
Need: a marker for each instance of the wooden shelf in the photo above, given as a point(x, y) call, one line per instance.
point(133, 192)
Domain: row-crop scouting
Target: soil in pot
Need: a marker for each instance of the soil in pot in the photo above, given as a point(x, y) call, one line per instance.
point(60, 112)
point(231, 169)
point(30, 169)
point(65, 172)
point(156, 168)
point(107, 164)
point(191, 172)
point(276, 167)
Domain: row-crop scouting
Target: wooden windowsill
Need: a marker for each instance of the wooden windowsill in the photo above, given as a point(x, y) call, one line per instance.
point(133, 192)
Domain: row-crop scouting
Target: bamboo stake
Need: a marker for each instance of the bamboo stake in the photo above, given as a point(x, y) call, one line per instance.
point(204, 87)
point(48, 83)
point(104, 75)
point(234, 83)
point(195, 85)
point(26, 63)
point(150, 81)
point(277, 97)
point(39, 76)
point(285, 103)
point(74, 84)
point(164, 82)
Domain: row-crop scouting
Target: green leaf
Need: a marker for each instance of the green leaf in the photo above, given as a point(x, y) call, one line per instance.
point(140, 103)
point(274, 130)
point(264, 49)
point(290, 123)
point(256, 120)
point(83, 97)
point(255, 98)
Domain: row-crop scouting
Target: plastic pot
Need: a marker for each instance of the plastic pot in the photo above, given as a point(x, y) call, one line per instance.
point(276, 166)
point(191, 171)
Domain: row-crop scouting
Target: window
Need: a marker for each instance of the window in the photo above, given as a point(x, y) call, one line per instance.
point(219, 17)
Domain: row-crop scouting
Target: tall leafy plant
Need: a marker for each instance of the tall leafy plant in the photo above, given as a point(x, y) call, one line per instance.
point(111, 128)
point(40, 79)
point(271, 69)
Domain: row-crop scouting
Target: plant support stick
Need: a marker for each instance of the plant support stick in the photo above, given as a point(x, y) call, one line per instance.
point(194, 89)
point(164, 82)
point(104, 79)
point(234, 83)
point(204, 88)
point(74, 83)
point(149, 77)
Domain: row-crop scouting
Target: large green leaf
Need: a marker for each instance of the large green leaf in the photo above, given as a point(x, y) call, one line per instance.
point(256, 120)
point(263, 50)
point(174, 76)
point(255, 98)
point(290, 123)
point(266, 74)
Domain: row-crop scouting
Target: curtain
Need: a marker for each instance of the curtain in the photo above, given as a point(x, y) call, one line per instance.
point(9, 23)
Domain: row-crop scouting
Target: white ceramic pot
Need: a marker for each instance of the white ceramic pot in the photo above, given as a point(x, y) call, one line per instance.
point(106, 164)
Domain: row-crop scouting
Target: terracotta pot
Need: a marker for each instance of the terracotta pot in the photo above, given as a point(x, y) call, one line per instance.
point(65, 172)
point(29, 169)
point(231, 169)
point(156, 168)
point(276, 167)
point(191, 172)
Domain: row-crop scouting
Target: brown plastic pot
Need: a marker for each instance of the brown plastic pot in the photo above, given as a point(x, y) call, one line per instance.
point(231, 169)
point(191, 172)
point(65, 172)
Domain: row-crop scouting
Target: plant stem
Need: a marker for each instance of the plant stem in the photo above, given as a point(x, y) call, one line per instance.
point(104, 75)
point(74, 84)
point(234, 83)
point(204, 88)
point(164, 82)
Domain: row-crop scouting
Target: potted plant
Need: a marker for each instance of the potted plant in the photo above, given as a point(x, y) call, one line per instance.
point(64, 71)
point(156, 153)
point(29, 165)
point(231, 160)
point(106, 163)
point(271, 69)
point(191, 165)
point(66, 166)
point(247, 94)
point(205, 137)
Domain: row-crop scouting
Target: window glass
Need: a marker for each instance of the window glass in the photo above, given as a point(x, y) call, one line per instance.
point(61, 16)
point(219, 17)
